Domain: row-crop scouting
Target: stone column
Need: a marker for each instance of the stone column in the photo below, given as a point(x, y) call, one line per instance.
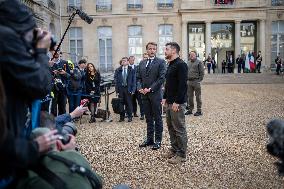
point(262, 36)
point(237, 38)
point(184, 38)
point(208, 38)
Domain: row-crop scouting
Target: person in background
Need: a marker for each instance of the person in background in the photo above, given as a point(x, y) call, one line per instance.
point(195, 76)
point(208, 63)
point(136, 96)
point(145, 56)
point(239, 62)
point(258, 61)
point(92, 82)
point(125, 87)
point(278, 62)
point(74, 86)
point(214, 64)
point(224, 66)
point(60, 70)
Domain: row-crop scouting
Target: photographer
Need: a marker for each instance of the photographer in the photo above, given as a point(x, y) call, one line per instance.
point(25, 74)
point(69, 169)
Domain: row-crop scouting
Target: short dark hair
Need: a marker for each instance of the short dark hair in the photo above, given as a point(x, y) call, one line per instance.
point(151, 43)
point(125, 58)
point(131, 56)
point(83, 61)
point(174, 45)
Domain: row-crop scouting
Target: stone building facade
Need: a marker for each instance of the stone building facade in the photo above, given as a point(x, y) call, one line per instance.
point(221, 28)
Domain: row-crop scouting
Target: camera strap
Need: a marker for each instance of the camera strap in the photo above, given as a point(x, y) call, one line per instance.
point(75, 168)
point(50, 177)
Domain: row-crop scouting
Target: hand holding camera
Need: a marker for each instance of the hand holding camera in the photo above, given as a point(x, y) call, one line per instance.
point(43, 38)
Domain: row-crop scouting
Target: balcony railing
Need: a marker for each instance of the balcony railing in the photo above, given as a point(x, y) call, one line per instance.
point(102, 8)
point(70, 8)
point(277, 2)
point(51, 4)
point(223, 3)
point(165, 5)
point(134, 6)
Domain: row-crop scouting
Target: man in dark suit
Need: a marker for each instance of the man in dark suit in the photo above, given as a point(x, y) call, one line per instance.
point(136, 97)
point(150, 78)
point(125, 86)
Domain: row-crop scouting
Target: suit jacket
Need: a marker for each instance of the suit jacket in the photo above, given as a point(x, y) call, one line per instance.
point(154, 78)
point(131, 79)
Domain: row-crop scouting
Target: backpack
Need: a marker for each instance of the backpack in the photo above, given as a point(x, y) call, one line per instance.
point(61, 170)
point(75, 80)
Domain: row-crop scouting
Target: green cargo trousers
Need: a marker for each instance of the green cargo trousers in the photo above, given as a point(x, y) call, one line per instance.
point(177, 130)
point(194, 87)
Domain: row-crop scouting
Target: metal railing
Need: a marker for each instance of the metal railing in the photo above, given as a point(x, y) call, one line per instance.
point(165, 5)
point(102, 8)
point(134, 6)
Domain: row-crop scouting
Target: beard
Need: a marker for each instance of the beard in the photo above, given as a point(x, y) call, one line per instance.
point(167, 56)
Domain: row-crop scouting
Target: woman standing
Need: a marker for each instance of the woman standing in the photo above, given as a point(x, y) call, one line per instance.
point(92, 83)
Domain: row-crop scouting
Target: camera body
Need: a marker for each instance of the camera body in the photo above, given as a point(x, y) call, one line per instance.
point(68, 128)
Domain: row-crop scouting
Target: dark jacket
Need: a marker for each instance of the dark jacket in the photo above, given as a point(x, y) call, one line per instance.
point(176, 82)
point(61, 64)
point(131, 80)
point(26, 77)
point(74, 82)
point(93, 84)
point(154, 78)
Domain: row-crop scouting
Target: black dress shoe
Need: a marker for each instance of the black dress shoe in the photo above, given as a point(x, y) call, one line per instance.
point(121, 120)
point(135, 115)
point(142, 118)
point(198, 114)
point(145, 144)
point(130, 119)
point(188, 112)
point(156, 146)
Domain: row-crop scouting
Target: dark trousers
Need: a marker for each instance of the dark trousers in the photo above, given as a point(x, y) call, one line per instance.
point(59, 103)
point(213, 68)
point(239, 68)
point(209, 70)
point(153, 113)
point(137, 98)
point(74, 102)
point(258, 66)
point(278, 68)
point(127, 102)
point(223, 70)
point(177, 130)
point(194, 88)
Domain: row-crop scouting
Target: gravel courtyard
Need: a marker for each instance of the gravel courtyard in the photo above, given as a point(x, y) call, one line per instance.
point(226, 145)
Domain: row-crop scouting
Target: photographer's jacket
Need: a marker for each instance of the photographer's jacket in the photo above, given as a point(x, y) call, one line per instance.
point(26, 77)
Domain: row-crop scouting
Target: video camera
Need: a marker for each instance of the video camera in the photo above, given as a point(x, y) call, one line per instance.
point(68, 128)
point(275, 146)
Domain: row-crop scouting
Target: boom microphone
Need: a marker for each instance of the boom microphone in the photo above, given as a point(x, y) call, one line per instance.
point(83, 15)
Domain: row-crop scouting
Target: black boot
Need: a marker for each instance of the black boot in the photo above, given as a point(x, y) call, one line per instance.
point(92, 120)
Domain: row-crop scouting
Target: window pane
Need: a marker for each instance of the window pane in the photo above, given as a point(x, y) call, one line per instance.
point(72, 32)
point(274, 27)
point(104, 32)
point(79, 44)
point(281, 26)
point(79, 32)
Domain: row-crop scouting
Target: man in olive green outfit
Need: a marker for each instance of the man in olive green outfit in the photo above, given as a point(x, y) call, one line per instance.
point(195, 76)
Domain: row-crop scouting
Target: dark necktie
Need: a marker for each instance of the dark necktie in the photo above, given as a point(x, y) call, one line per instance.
point(148, 64)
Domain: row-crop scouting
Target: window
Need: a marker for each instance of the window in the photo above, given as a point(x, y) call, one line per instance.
point(165, 36)
point(248, 37)
point(76, 44)
point(74, 4)
point(105, 49)
point(277, 2)
point(165, 4)
point(104, 5)
point(277, 39)
point(135, 42)
point(196, 39)
point(134, 5)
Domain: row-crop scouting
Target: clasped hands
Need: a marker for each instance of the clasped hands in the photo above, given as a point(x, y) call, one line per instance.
point(145, 91)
